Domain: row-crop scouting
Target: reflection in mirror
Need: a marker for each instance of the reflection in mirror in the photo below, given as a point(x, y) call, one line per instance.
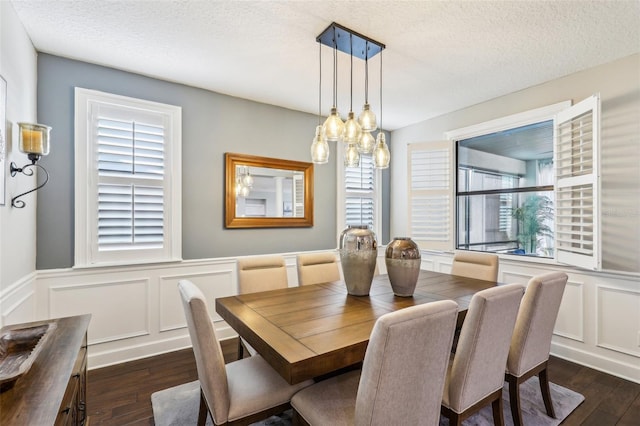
point(267, 192)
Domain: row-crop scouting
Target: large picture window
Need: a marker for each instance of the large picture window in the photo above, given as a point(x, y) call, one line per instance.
point(505, 191)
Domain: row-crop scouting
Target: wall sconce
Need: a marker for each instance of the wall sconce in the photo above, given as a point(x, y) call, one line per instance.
point(34, 141)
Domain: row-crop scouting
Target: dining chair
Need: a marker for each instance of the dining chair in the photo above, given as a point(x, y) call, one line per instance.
point(402, 374)
point(259, 273)
point(483, 266)
point(476, 375)
point(316, 268)
point(240, 392)
point(531, 341)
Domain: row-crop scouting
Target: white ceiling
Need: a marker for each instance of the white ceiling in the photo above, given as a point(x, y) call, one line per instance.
point(441, 55)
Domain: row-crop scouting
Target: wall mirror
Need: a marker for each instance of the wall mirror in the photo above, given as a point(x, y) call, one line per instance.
point(266, 192)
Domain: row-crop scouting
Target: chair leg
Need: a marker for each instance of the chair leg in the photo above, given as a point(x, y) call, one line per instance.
point(546, 393)
point(203, 411)
point(240, 348)
point(514, 398)
point(496, 405)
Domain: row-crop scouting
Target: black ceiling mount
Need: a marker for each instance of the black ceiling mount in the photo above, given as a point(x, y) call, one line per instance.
point(337, 36)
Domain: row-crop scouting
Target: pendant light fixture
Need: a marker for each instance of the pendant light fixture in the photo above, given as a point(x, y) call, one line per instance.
point(354, 133)
point(333, 126)
point(381, 154)
point(319, 146)
point(367, 118)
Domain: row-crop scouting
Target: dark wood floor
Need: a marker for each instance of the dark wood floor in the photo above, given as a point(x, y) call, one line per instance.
point(121, 394)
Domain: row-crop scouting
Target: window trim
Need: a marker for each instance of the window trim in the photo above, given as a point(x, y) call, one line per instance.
point(85, 187)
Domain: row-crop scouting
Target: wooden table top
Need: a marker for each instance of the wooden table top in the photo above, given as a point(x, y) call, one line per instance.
point(306, 332)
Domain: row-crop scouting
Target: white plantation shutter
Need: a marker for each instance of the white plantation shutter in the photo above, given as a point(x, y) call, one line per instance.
point(127, 192)
point(360, 194)
point(431, 195)
point(577, 138)
point(131, 213)
point(298, 196)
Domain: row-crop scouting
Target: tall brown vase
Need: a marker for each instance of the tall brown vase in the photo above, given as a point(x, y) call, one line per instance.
point(402, 258)
point(358, 254)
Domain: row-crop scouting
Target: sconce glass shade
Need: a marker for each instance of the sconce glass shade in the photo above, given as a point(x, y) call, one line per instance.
point(333, 126)
point(352, 130)
point(367, 119)
point(367, 142)
point(319, 148)
point(245, 191)
point(381, 154)
point(34, 139)
point(352, 156)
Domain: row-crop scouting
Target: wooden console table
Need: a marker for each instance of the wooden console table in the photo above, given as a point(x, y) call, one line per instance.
point(53, 391)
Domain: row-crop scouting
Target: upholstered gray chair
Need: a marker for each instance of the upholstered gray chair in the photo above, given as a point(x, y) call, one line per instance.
point(531, 341)
point(483, 266)
point(260, 274)
point(316, 268)
point(240, 392)
point(476, 374)
point(402, 375)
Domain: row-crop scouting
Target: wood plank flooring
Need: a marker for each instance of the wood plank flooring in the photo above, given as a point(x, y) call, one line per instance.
point(121, 394)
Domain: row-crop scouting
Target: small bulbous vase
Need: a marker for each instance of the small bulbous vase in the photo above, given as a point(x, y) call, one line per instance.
point(402, 258)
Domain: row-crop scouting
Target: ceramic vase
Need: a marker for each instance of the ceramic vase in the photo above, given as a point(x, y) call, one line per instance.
point(402, 258)
point(358, 254)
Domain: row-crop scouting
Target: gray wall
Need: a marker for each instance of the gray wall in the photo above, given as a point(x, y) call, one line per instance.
point(212, 124)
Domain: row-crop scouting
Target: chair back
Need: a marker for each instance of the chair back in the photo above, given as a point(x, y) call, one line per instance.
point(483, 266)
point(261, 273)
point(315, 268)
point(531, 340)
point(208, 353)
point(479, 362)
point(405, 365)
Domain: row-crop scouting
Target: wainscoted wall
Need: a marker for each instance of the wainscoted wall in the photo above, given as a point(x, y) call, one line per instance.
point(136, 311)
point(599, 320)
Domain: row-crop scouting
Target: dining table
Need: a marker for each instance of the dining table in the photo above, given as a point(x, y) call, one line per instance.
point(308, 332)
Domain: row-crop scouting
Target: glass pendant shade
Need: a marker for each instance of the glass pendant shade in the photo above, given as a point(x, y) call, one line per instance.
point(367, 119)
point(319, 148)
point(352, 130)
point(238, 186)
point(245, 191)
point(381, 154)
point(352, 156)
point(247, 179)
point(367, 142)
point(333, 126)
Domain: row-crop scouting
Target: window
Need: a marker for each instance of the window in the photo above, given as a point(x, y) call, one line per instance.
point(359, 198)
point(505, 193)
point(128, 182)
point(525, 184)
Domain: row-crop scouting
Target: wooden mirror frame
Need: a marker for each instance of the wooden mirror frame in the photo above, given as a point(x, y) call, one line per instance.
point(231, 221)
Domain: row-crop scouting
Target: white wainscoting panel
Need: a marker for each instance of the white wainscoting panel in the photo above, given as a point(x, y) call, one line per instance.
point(213, 284)
point(119, 309)
point(570, 321)
point(618, 319)
point(18, 301)
point(512, 277)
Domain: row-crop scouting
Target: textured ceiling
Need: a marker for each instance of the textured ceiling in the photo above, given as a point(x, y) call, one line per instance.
point(441, 55)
